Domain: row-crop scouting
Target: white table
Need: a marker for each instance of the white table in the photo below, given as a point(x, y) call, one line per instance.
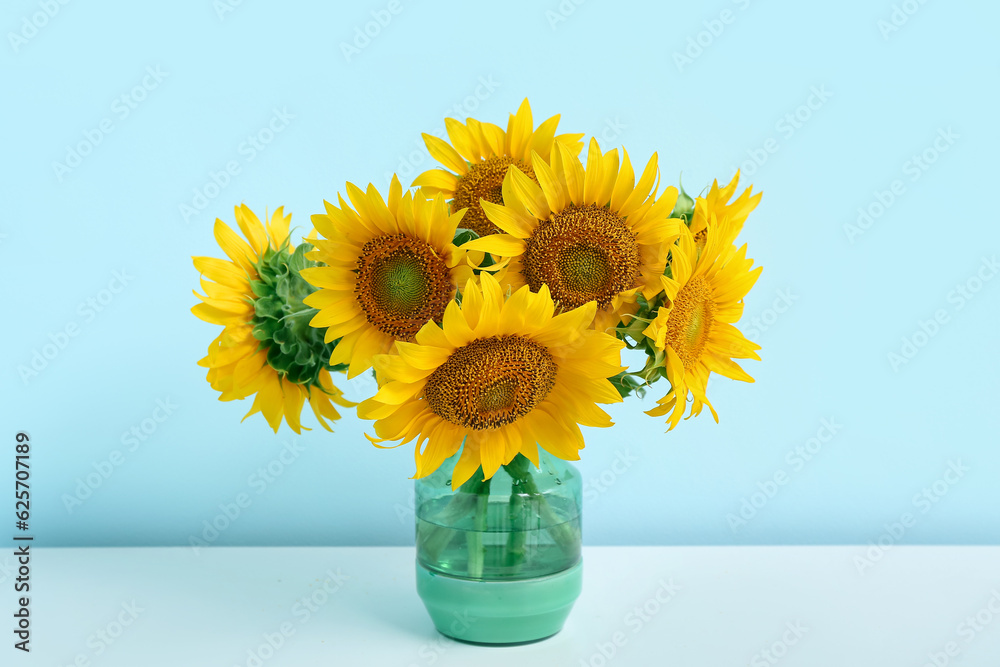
point(715, 606)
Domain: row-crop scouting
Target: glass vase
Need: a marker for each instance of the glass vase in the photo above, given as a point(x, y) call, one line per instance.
point(498, 560)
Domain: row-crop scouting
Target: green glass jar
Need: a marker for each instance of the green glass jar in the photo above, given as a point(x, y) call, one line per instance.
point(498, 560)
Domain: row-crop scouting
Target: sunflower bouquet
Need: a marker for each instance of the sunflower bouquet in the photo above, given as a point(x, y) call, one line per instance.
point(492, 302)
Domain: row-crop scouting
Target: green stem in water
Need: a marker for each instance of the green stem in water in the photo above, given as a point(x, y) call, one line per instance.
point(519, 508)
point(474, 538)
point(562, 531)
point(434, 537)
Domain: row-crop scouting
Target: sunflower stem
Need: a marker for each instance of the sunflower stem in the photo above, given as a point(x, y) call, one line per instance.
point(433, 538)
point(563, 533)
point(516, 537)
point(474, 538)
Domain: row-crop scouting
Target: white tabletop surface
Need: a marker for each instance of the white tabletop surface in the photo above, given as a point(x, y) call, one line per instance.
point(684, 606)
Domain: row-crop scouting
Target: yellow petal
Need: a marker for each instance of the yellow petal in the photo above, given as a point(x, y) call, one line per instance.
point(593, 174)
point(505, 218)
point(461, 139)
point(624, 184)
point(438, 179)
point(221, 271)
point(421, 356)
point(252, 228)
point(236, 248)
point(491, 450)
point(441, 151)
point(642, 188)
point(468, 463)
point(571, 172)
point(543, 137)
point(555, 196)
point(497, 244)
point(527, 193)
point(519, 131)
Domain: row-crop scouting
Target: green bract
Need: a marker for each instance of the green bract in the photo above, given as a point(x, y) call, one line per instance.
point(281, 321)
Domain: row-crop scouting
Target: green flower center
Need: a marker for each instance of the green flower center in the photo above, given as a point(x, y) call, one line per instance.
point(584, 268)
point(398, 284)
point(403, 283)
point(583, 253)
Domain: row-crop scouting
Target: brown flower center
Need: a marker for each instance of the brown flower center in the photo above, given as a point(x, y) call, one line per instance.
point(402, 283)
point(484, 180)
point(584, 253)
point(491, 382)
point(690, 321)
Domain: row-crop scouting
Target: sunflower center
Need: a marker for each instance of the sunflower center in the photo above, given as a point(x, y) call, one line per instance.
point(484, 180)
point(402, 283)
point(584, 253)
point(491, 382)
point(690, 322)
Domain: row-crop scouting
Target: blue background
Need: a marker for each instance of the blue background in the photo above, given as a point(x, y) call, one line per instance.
point(832, 304)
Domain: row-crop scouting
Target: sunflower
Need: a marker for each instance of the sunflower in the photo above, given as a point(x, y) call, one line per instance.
point(505, 376)
point(717, 203)
point(694, 330)
point(591, 235)
point(266, 347)
point(391, 267)
point(479, 156)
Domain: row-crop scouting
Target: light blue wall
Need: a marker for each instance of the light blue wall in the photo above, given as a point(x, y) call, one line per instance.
point(831, 308)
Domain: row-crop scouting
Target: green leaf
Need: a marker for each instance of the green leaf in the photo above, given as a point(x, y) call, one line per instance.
point(684, 208)
point(626, 383)
point(464, 236)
